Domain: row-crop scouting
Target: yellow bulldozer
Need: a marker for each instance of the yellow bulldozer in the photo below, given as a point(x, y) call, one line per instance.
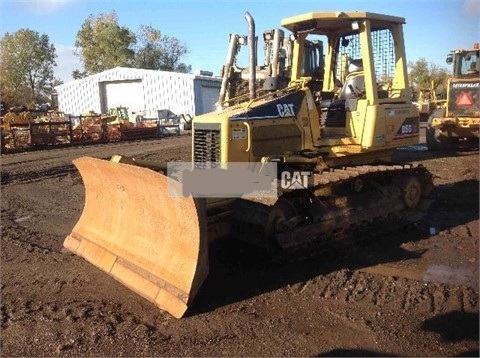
point(334, 139)
point(427, 101)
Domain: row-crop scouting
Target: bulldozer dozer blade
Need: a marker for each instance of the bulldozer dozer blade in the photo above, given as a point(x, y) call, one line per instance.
point(133, 229)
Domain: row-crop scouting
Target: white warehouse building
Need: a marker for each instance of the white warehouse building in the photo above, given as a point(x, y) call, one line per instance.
point(140, 91)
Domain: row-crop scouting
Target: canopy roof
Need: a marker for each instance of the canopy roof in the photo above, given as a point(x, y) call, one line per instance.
point(327, 22)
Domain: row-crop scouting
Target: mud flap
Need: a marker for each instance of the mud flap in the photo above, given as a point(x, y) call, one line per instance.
point(133, 228)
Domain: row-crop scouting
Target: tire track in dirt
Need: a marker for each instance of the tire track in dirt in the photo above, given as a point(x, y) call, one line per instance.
point(28, 167)
point(36, 173)
point(356, 286)
point(93, 322)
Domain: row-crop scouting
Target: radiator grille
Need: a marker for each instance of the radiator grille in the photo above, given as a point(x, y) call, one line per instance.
point(206, 146)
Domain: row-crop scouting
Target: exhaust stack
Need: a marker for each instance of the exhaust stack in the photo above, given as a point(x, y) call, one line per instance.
point(253, 54)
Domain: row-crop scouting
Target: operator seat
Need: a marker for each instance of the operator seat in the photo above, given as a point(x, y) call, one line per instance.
point(333, 110)
point(354, 84)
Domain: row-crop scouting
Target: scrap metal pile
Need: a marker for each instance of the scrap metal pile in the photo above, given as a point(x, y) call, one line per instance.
point(27, 129)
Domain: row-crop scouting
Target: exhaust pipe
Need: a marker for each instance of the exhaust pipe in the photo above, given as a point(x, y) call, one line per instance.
point(253, 54)
point(277, 39)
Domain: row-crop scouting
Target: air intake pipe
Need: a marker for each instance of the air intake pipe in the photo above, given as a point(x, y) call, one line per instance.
point(227, 68)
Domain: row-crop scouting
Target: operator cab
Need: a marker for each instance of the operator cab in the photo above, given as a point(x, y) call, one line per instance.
point(466, 62)
point(365, 71)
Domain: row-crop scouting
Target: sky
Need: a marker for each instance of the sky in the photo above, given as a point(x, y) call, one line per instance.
point(433, 27)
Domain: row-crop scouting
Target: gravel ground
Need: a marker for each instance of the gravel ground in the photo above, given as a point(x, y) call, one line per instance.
point(411, 293)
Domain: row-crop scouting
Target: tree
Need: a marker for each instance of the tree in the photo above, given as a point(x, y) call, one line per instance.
point(173, 50)
point(422, 74)
point(149, 52)
point(102, 44)
point(77, 74)
point(27, 60)
point(157, 52)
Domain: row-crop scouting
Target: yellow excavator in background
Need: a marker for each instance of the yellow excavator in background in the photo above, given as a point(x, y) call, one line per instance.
point(340, 134)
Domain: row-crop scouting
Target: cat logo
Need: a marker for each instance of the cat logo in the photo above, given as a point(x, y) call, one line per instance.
point(285, 110)
point(295, 180)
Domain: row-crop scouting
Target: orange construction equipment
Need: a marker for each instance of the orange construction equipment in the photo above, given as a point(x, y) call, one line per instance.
point(152, 246)
point(331, 144)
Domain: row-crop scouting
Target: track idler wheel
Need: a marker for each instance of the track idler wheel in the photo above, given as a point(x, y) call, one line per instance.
point(280, 216)
point(411, 191)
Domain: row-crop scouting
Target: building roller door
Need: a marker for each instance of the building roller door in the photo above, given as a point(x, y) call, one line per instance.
point(125, 94)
